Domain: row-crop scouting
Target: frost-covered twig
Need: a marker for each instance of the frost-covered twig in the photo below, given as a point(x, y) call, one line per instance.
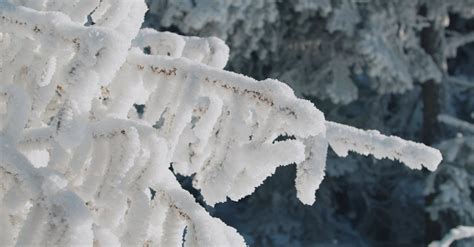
point(460, 232)
point(456, 123)
point(460, 81)
point(455, 41)
point(344, 138)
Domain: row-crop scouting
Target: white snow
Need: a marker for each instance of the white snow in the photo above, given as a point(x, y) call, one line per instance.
point(76, 160)
point(458, 233)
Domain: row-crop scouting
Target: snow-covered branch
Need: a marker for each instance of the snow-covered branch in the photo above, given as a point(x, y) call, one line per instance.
point(458, 233)
point(460, 81)
point(79, 165)
point(344, 138)
point(455, 41)
point(456, 123)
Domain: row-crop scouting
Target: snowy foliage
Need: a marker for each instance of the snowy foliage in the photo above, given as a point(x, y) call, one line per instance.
point(369, 45)
point(79, 165)
point(331, 48)
point(457, 233)
point(452, 185)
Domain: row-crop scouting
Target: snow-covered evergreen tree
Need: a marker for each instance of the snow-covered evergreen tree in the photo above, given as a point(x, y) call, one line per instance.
point(388, 65)
point(331, 47)
point(80, 165)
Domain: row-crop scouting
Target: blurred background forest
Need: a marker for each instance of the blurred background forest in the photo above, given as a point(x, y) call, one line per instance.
point(404, 67)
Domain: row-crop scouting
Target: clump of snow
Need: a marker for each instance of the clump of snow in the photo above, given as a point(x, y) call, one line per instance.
point(458, 233)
